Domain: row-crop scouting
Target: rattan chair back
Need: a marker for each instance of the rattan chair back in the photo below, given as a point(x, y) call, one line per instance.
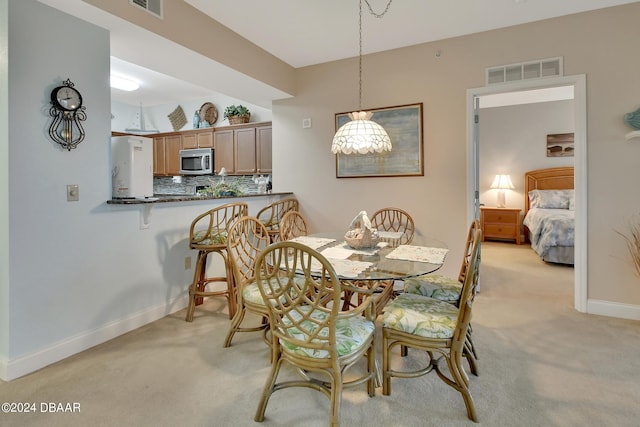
point(272, 214)
point(293, 225)
point(394, 219)
point(210, 228)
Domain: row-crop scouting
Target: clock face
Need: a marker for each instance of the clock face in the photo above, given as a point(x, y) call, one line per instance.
point(67, 98)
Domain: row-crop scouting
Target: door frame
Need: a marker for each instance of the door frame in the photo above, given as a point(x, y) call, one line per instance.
point(580, 165)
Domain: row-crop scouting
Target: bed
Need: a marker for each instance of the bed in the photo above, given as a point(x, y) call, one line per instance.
point(549, 216)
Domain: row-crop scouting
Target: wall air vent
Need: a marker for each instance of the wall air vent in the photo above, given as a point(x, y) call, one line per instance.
point(550, 67)
point(152, 6)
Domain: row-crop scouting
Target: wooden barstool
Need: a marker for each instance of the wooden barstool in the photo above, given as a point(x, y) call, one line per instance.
point(208, 234)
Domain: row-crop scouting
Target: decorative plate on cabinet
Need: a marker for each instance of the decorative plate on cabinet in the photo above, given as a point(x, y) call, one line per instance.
point(209, 112)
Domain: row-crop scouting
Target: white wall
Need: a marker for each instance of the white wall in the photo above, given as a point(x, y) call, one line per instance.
point(513, 141)
point(157, 115)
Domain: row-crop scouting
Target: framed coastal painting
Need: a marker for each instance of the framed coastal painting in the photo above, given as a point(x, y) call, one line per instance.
point(403, 123)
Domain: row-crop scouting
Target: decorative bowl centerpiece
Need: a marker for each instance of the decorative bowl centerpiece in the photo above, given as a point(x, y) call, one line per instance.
point(361, 234)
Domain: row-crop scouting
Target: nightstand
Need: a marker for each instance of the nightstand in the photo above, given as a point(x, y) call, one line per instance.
point(500, 223)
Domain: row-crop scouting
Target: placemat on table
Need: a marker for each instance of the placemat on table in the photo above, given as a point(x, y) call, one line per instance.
point(313, 242)
point(419, 253)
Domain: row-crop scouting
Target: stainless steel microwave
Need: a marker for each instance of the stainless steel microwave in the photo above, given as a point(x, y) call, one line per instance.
point(196, 161)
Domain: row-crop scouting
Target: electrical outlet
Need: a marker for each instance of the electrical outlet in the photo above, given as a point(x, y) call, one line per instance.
point(73, 193)
point(187, 263)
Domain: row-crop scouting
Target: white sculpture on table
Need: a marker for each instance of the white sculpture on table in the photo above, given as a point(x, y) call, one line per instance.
point(361, 233)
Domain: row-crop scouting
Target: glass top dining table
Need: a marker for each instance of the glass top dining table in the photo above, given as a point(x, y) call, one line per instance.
point(386, 261)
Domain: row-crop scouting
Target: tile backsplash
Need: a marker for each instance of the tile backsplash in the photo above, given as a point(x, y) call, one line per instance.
point(167, 185)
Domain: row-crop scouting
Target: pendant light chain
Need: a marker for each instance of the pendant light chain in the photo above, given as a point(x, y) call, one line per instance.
point(360, 60)
point(361, 135)
point(377, 15)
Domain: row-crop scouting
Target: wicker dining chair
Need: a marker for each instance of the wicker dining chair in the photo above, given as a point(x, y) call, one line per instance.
point(435, 327)
point(247, 238)
point(271, 215)
point(301, 292)
point(292, 225)
point(208, 234)
point(398, 221)
point(449, 289)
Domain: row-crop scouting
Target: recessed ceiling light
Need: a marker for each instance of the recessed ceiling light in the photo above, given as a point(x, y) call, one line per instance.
point(123, 84)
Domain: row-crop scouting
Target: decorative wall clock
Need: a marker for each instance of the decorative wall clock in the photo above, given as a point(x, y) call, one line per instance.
point(68, 113)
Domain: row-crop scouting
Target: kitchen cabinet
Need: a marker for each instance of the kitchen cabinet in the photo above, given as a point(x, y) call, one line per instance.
point(197, 138)
point(243, 149)
point(263, 149)
point(166, 154)
point(224, 151)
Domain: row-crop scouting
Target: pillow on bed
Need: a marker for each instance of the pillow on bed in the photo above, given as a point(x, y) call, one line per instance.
point(550, 199)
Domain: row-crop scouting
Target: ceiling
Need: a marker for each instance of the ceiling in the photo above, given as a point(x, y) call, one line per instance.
point(303, 33)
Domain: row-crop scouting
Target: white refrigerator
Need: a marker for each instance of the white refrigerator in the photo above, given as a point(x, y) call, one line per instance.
point(132, 171)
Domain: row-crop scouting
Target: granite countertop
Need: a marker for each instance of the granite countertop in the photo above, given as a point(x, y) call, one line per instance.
point(165, 198)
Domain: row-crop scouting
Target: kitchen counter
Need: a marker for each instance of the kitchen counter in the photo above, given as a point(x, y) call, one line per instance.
point(160, 198)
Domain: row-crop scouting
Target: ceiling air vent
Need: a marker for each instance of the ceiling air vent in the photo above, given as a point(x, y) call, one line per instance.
point(550, 67)
point(152, 6)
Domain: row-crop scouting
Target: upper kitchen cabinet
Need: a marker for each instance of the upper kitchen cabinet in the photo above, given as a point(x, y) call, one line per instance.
point(243, 149)
point(245, 155)
point(197, 138)
point(263, 149)
point(223, 153)
point(166, 154)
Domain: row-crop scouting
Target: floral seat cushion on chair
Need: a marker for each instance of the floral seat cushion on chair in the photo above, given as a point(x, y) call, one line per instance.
point(436, 286)
point(206, 237)
point(251, 293)
point(351, 333)
point(420, 315)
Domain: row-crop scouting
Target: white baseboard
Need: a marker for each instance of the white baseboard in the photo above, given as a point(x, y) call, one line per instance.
point(613, 309)
point(12, 369)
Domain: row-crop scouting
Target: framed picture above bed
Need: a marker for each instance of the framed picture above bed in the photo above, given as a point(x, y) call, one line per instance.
point(560, 145)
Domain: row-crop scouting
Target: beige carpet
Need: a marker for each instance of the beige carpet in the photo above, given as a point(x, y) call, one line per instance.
point(541, 362)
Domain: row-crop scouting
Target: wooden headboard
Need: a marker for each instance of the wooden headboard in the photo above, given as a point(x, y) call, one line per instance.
point(547, 179)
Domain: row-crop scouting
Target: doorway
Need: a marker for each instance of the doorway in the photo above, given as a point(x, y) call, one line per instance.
point(580, 120)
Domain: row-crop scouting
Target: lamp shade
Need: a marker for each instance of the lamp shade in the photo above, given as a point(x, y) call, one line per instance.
point(360, 135)
point(502, 182)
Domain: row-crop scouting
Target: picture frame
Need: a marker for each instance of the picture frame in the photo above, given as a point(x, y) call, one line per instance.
point(403, 124)
point(560, 145)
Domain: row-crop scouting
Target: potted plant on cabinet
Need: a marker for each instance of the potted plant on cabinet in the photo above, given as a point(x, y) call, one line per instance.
point(237, 114)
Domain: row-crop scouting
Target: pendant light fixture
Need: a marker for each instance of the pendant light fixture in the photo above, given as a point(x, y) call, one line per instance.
point(361, 135)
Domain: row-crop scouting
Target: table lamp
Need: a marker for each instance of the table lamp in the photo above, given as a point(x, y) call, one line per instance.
point(502, 182)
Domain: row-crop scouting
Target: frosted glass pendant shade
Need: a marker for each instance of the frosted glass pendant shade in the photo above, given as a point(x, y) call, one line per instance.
point(361, 136)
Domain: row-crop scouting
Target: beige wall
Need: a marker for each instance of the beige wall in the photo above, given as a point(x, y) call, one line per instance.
point(599, 44)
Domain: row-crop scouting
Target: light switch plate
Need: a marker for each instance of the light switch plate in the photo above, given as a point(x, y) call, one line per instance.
point(73, 193)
